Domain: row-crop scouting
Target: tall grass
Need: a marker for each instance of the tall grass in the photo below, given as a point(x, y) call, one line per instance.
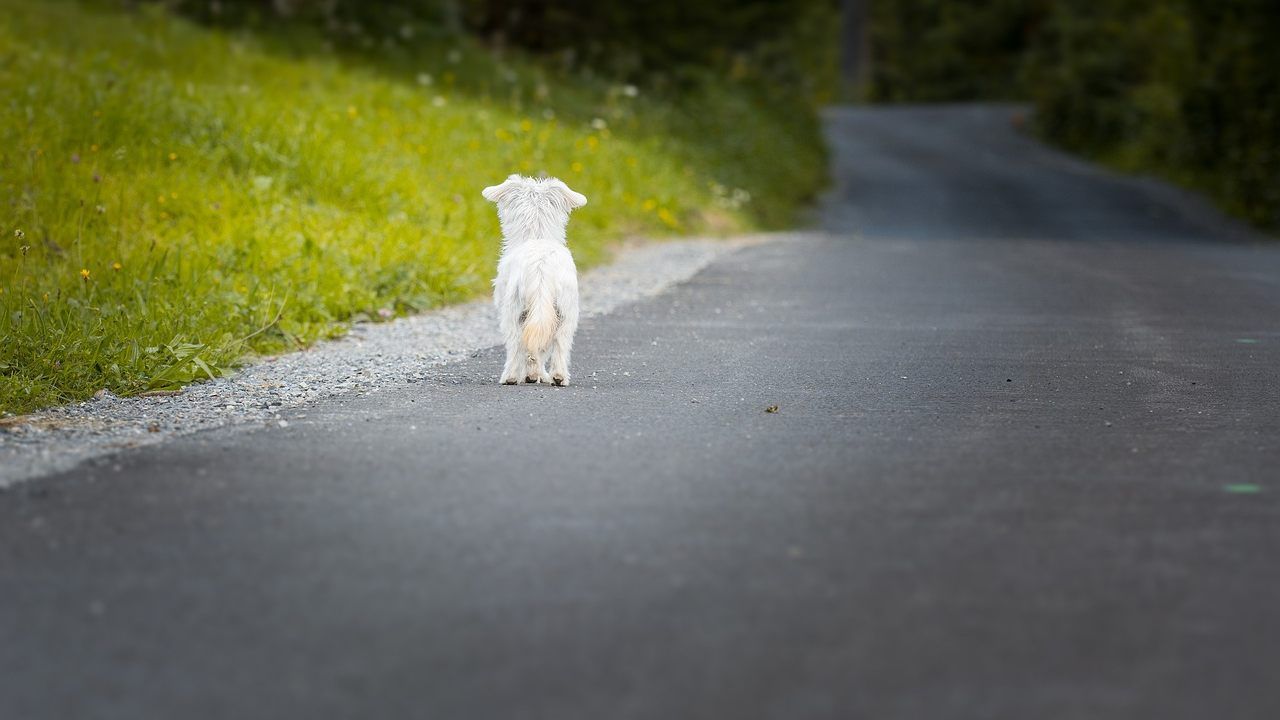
point(173, 198)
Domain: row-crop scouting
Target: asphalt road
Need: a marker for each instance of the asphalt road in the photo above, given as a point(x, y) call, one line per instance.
point(1024, 465)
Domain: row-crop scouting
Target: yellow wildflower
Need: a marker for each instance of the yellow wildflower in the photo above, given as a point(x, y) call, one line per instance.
point(117, 266)
point(173, 156)
point(576, 167)
point(84, 274)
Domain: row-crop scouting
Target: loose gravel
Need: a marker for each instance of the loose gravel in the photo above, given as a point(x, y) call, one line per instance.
point(369, 356)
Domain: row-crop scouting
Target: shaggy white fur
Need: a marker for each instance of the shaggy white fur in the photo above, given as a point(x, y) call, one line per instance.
point(536, 291)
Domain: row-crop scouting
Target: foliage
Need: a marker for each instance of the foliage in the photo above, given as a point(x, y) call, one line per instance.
point(1201, 105)
point(788, 45)
point(173, 196)
point(1184, 88)
point(940, 50)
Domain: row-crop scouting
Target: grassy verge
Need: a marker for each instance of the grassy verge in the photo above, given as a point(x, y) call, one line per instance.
point(174, 198)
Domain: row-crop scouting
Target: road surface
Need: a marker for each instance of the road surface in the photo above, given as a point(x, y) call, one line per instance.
point(1024, 464)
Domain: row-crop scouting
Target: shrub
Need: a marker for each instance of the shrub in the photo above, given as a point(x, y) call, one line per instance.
point(1187, 89)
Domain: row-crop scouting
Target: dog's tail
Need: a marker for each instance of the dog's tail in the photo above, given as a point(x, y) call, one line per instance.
point(540, 319)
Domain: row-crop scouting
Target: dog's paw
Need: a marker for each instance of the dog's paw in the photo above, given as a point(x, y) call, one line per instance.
point(509, 381)
point(559, 380)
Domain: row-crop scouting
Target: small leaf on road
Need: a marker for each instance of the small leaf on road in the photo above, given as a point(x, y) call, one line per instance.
point(1242, 488)
point(771, 409)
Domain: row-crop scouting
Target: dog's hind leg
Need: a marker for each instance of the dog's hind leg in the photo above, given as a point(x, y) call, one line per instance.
point(513, 369)
point(561, 347)
point(542, 366)
point(560, 362)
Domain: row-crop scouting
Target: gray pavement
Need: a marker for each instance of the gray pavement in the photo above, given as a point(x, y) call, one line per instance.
point(1023, 465)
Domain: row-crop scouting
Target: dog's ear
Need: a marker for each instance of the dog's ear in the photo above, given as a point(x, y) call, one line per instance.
point(572, 200)
point(496, 193)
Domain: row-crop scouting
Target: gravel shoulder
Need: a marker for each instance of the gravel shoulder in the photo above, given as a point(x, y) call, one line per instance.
point(368, 357)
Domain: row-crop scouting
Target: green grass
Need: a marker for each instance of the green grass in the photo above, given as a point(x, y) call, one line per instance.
point(174, 198)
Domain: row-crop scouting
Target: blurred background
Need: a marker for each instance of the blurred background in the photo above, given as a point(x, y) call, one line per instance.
point(187, 183)
point(1186, 89)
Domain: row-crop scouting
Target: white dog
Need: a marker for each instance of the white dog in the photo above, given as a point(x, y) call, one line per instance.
point(536, 291)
